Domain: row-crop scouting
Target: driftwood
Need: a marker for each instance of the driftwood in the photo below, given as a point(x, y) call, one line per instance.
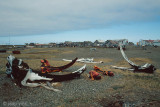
point(147, 68)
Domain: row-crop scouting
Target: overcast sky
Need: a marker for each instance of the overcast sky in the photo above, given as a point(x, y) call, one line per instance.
point(44, 21)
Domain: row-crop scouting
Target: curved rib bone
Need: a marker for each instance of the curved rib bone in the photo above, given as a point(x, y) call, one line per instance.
point(148, 68)
point(125, 57)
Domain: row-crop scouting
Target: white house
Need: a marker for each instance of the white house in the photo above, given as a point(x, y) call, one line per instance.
point(146, 42)
point(156, 42)
point(98, 43)
point(122, 41)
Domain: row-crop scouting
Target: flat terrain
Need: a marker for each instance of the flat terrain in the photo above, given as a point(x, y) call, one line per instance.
point(124, 89)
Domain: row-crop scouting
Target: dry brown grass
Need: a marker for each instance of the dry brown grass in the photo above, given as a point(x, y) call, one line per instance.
point(43, 52)
point(123, 82)
point(2, 65)
point(33, 56)
point(3, 56)
point(132, 81)
point(103, 59)
point(68, 52)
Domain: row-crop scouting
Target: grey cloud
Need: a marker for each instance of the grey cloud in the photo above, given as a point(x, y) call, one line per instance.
point(29, 17)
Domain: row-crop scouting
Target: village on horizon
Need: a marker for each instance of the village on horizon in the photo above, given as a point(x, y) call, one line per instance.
point(96, 43)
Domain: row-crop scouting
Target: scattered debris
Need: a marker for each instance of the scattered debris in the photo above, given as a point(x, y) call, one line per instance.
point(94, 75)
point(109, 73)
point(84, 60)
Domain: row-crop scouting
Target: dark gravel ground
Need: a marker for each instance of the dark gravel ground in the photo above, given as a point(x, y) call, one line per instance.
point(84, 92)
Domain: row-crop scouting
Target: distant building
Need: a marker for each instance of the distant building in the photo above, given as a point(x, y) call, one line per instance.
point(123, 41)
point(42, 46)
point(60, 45)
point(115, 43)
point(68, 44)
point(111, 44)
point(98, 43)
point(31, 44)
point(52, 44)
point(156, 42)
point(78, 44)
point(146, 43)
point(130, 43)
point(88, 44)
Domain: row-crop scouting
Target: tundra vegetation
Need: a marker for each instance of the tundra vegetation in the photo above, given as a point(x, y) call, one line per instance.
point(125, 88)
